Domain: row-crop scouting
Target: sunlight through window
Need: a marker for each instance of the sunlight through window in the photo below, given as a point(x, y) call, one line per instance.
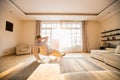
point(63, 35)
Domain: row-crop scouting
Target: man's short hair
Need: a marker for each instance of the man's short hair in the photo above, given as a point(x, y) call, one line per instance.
point(38, 36)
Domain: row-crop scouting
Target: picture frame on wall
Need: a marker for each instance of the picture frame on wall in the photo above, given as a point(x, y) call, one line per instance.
point(9, 26)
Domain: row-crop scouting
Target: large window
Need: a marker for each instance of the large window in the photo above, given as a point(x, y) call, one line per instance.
point(66, 36)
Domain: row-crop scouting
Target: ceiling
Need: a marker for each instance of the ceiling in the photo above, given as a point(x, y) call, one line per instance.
point(63, 9)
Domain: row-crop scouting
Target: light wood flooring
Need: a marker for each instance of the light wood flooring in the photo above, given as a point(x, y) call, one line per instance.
point(10, 65)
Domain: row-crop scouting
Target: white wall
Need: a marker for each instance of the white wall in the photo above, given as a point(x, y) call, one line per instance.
point(93, 34)
point(28, 32)
point(8, 40)
point(112, 22)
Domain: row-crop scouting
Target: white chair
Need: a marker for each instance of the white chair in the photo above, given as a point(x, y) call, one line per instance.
point(23, 49)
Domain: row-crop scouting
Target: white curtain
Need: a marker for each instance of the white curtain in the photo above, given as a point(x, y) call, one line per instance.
point(72, 39)
point(66, 36)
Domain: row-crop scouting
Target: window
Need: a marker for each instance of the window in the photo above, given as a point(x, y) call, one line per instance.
point(48, 29)
point(66, 36)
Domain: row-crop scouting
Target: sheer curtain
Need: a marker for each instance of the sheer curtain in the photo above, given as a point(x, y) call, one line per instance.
point(50, 29)
point(64, 35)
point(71, 41)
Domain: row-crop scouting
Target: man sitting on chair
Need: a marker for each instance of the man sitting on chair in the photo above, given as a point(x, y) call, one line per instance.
point(42, 48)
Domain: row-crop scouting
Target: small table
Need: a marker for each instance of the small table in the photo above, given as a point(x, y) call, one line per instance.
point(46, 72)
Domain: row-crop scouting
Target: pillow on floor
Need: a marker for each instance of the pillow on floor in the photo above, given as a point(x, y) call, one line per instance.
point(117, 50)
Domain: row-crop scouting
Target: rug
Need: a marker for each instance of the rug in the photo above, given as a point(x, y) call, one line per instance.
point(77, 64)
point(67, 64)
point(25, 72)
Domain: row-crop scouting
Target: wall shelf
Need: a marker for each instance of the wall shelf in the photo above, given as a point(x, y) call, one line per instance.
point(110, 31)
point(112, 40)
point(111, 35)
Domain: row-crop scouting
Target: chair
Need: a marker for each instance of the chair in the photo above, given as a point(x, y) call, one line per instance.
point(23, 49)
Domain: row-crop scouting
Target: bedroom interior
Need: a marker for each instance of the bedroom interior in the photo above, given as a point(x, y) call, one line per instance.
point(88, 32)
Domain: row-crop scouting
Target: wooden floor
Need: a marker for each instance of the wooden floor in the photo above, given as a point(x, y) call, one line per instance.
point(10, 65)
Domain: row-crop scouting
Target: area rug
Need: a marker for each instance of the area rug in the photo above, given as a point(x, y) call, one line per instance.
point(77, 64)
point(25, 72)
point(67, 64)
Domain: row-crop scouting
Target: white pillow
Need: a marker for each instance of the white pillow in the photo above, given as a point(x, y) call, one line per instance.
point(117, 50)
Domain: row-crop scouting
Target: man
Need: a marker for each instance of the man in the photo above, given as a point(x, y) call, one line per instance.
point(42, 48)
